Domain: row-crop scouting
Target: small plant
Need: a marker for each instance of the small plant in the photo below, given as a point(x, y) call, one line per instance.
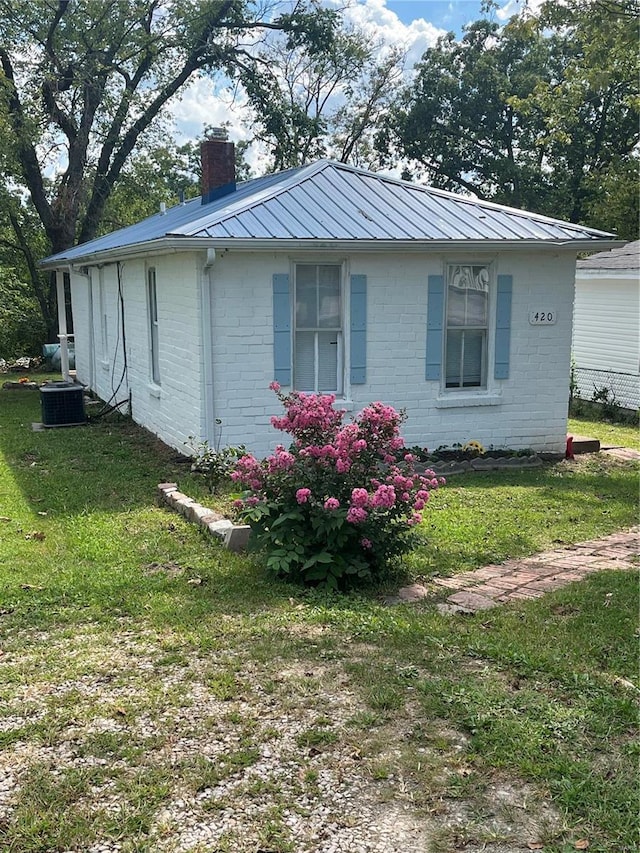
point(338, 505)
point(606, 399)
point(215, 465)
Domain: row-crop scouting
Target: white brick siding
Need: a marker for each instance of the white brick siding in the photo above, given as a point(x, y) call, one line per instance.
point(528, 410)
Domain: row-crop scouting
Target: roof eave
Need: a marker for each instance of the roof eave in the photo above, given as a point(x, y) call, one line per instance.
point(161, 246)
point(169, 245)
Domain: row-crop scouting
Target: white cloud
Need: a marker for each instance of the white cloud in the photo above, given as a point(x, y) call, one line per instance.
point(514, 7)
point(207, 101)
point(383, 25)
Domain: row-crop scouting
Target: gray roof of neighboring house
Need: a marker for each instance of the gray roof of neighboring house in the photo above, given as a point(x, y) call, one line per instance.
point(625, 258)
point(328, 201)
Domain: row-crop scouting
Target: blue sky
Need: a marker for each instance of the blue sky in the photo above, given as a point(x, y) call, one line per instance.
point(445, 14)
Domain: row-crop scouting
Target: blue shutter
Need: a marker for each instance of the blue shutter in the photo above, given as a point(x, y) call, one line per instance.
point(503, 326)
point(358, 329)
point(435, 323)
point(281, 329)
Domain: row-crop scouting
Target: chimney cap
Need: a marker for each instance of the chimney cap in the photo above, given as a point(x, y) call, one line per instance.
point(217, 133)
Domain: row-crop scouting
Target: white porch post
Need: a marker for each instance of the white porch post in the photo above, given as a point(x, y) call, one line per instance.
point(62, 326)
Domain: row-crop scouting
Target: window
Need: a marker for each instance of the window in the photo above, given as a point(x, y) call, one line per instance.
point(317, 356)
point(153, 325)
point(466, 326)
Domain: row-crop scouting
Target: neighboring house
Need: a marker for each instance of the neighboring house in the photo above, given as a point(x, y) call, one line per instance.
point(330, 278)
point(606, 326)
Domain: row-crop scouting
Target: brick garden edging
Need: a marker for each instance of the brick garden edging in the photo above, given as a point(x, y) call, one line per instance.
point(234, 536)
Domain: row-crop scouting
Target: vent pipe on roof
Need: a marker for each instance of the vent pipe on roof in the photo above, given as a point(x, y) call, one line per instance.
point(218, 165)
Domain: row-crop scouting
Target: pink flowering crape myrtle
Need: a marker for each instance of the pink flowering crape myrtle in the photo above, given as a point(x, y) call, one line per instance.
point(335, 507)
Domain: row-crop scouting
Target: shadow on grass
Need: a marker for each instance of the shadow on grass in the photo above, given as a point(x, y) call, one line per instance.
point(109, 464)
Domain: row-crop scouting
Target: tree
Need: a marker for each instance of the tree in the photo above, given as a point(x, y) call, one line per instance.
point(84, 82)
point(537, 114)
point(309, 105)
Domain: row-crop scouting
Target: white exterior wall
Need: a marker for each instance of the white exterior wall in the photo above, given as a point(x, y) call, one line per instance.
point(529, 410)
point(606, 333)
point(174, 409)
point(97, 332)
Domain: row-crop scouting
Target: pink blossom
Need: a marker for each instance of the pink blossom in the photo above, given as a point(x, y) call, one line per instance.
point(416, 518)
point(252, 500)
point(238, 504)
point(274, 386)
point(359, 445)
point(384, 497)
point(360, 497)
point(303, 495)
point(409, 457)
point(331, 503)
point(356, 515)
point(281, 460)
point(418, 505)
point(366, 543)
point(405, 496)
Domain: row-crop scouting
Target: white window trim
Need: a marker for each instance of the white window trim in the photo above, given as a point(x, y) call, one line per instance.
point(489, 394)
point(343, 394)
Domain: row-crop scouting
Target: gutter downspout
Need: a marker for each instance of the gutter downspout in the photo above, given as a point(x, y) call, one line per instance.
point(62, 326)
point(206, 318)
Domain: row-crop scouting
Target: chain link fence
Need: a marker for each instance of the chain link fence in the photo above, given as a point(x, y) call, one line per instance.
point(606, 386)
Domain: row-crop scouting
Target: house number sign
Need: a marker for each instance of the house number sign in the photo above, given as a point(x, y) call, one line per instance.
point(542, 318)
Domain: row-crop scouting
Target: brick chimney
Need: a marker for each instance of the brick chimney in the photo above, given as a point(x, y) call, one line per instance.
point(218, 165)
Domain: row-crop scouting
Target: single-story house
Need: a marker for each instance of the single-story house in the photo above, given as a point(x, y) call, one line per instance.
point(330, 278)
point(606, 326)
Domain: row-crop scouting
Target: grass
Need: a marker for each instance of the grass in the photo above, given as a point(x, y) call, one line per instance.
point(127, 688)
point(617, 434)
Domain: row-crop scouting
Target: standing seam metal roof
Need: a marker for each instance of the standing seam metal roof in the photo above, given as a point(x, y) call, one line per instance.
point(332, 201)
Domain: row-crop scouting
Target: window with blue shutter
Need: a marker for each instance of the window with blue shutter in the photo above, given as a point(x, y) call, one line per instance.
point(466, 326)
point(358, 329)
point(318, 360)
point(281, 329)
point(503, 326)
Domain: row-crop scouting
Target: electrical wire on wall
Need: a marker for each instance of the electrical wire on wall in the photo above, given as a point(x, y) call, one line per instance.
point(109, 406)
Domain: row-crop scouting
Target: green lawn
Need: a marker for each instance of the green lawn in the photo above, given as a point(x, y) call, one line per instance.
point(616, 434)
point(158, 693)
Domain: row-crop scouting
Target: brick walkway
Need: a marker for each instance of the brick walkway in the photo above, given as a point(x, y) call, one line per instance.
point(624, 453)
point(531, 577)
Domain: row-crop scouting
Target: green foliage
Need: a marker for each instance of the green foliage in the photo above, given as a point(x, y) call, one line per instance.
point(542, 113)
point(215, 465)
point(336, 508)
point(20, 319)
point(95, 81)
point(175, 686)
point(309, 103)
